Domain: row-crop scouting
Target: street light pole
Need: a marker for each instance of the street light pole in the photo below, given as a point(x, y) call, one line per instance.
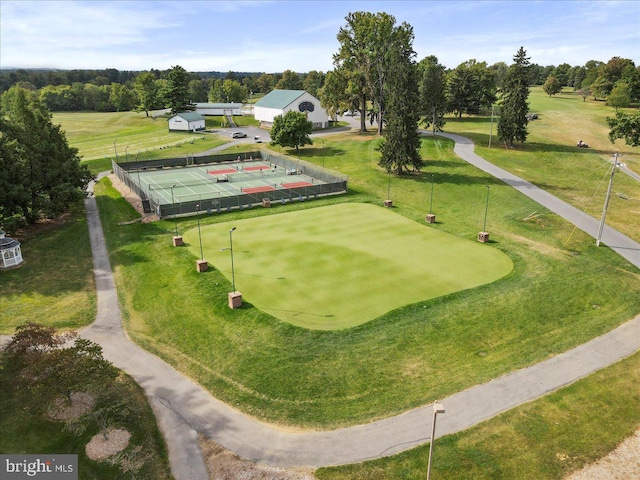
point(486, 209)
point(233, 272)
point(437, 408)
point(388, 203)
point(115, 148)
point(172, 204)
point(606, 200)
point(431, 201)
point(199, 236)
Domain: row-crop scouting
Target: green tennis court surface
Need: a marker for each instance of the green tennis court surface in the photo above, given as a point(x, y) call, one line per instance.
point(195, 183)
point(340, 266)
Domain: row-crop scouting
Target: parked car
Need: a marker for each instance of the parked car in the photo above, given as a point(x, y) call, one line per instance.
point(239, 135)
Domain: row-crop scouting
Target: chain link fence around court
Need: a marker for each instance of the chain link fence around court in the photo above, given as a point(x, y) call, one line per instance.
point(330, 183)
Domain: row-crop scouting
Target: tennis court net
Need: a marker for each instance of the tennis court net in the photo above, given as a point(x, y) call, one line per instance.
point(178, 184)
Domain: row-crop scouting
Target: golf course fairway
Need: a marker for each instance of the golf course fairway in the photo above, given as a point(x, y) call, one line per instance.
point(339, 266)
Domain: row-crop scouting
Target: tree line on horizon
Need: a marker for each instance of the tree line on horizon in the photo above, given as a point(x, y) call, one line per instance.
point(110, 89)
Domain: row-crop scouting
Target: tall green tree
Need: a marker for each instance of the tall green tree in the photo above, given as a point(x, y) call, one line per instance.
point(369, 43)
point(177, 91)
point(290, 81)
point(265, 82)
point(333, 94)
point(198, 90)
point(47, 170)
point(366, 46)
point(291, 130)
point(551, 86)
point(432, 92)
point(625, 127)
point(514, 94)
point(400, 147)
point(471, 86)
point(620, 96)
point(232, 91)
point(147, 91)
point(313, 82)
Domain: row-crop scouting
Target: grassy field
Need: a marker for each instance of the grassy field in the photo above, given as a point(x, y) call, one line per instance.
point(134, 134)
point(562, 291)
point(551, 160)
point(55, 285)
point(342, 263)
point(544, 439)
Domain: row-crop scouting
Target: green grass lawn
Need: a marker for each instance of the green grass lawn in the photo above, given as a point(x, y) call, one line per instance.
point(55, 285)
point(545, 439)
point(551, 160)
point(134, 134)
point(342, 265)
point(562, 291)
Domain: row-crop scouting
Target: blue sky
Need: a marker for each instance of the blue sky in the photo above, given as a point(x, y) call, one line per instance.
point(272, 36)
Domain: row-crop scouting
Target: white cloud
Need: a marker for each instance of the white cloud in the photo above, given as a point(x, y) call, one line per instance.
point(274, 36)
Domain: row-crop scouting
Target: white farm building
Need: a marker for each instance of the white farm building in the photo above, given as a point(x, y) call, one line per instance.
point(279, 102)
point(186, 122)
point(219, 108)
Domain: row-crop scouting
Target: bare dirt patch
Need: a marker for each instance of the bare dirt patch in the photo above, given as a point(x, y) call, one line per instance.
point(621, 464)
point(225, 465)
point(81, 403)
point(98, 448)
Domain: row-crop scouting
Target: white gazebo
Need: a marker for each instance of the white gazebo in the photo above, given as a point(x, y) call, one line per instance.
point(9, 251)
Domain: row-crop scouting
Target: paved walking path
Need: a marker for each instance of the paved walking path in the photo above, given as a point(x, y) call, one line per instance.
point(615, 240)
point(183, 408)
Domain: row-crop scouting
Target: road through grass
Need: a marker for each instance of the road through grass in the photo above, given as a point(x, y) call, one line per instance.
point(343, 265)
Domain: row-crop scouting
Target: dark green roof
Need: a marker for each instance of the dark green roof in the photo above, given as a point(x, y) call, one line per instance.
point(190, 116)
point(279, 98)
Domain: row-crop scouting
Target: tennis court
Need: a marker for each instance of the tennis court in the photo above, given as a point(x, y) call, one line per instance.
point(185, 189)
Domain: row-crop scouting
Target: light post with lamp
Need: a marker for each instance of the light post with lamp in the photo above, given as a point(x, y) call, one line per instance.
point(177, 239)
point(388, 202)
point(437, 408)
point(201, 264)
point(235, 297)
point(431, 218)
point(483, 236)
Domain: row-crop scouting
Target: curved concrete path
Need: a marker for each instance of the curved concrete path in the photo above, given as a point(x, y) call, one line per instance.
point(183, 408)
point(615, 240)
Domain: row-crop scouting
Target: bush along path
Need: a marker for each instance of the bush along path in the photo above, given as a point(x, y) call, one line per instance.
point(184, 409)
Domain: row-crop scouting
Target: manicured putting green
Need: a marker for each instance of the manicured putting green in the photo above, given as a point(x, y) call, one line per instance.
point(339, 266)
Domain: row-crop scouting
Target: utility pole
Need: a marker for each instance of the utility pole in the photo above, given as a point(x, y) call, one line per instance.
point(606, 200)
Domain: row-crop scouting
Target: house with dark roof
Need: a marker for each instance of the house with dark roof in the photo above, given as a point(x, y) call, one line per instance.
point(186, 122)
point(279, 102)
